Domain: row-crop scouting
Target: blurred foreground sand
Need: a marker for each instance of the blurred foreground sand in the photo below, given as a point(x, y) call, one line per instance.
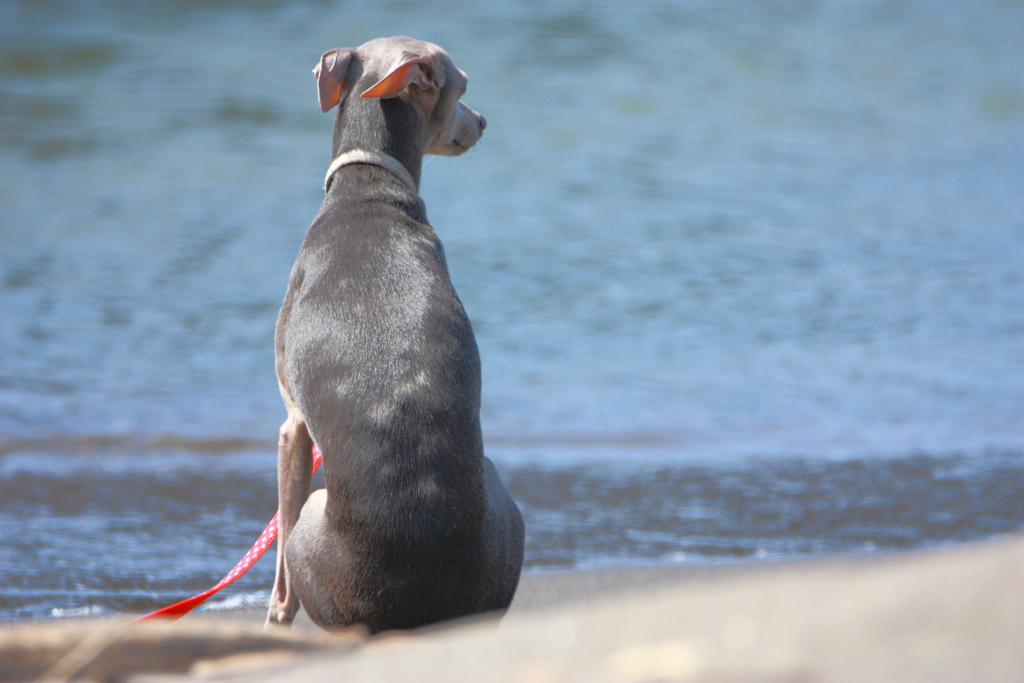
point(954, 614)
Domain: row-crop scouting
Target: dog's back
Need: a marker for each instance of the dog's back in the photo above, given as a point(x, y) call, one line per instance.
point(389, 382)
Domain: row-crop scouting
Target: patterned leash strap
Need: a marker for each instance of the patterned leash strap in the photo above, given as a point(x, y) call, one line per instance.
point(266, 539)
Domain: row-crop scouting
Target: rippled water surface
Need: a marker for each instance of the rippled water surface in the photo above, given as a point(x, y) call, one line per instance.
point(112, 532)
point(747, 279)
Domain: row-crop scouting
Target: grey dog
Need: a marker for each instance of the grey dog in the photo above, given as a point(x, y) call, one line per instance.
point(377, 364)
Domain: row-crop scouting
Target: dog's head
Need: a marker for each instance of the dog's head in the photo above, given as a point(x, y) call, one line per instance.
point(420, 72)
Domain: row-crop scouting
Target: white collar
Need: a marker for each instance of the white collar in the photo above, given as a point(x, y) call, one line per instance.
point(359, 156)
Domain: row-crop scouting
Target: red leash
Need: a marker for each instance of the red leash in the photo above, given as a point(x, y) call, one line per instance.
point(265, 540)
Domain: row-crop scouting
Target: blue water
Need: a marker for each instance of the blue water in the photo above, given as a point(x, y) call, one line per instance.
point(779, 245)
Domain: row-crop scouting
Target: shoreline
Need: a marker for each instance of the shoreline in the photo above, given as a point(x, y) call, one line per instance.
point(948, 614)
point(539, 589)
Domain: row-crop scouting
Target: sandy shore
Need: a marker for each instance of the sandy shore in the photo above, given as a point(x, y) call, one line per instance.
point(954, 614)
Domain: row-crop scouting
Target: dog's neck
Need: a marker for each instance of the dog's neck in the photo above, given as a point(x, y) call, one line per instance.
point(385, 132)
point(361, 156)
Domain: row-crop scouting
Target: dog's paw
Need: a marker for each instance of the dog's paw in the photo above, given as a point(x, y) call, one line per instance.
point(279, 616)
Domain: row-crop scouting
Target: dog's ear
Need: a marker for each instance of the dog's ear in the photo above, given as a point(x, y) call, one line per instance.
point(409, 68)
point(330, 76)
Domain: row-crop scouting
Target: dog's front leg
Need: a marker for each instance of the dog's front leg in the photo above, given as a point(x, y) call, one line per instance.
point(294, 472)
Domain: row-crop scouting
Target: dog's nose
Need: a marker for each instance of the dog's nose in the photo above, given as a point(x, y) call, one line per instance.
point(483, 123)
